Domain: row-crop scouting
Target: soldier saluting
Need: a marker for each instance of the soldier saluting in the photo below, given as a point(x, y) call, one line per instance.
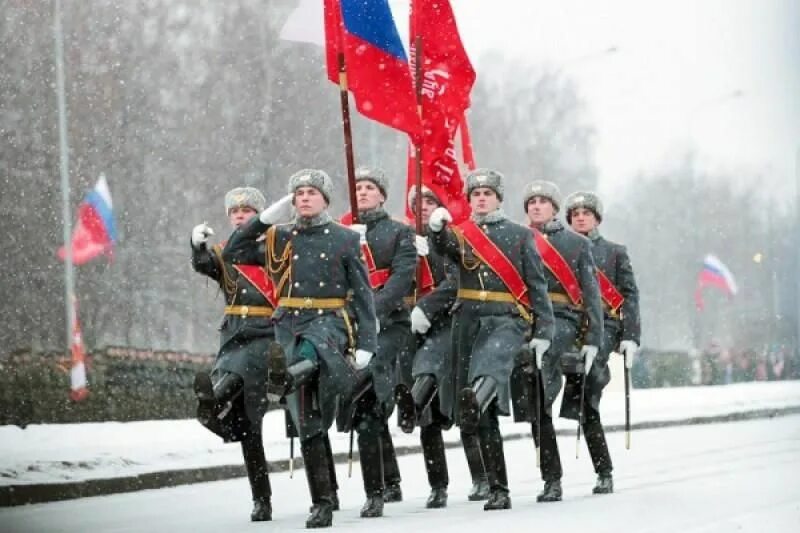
point(621, 329)
point(502, 300)
point(325, 313)
point(232, 399)
point(388, 250)
point(572, 288)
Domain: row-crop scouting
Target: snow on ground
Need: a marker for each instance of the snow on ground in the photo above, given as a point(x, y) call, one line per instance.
point(55, 453)
point(704, 478)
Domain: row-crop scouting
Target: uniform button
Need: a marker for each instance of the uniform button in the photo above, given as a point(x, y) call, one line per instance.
point(321, 283)
point(326, 231)
point(296, 283)
point(244, 291)
point(296, 313)
point(296, 257)
point(485, 227)
point(319, 311)
point(294, 232)
point(322, 255)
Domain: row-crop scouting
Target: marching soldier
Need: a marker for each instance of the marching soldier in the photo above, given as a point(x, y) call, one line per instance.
point(429, 403)
point(502, 302)
point(621, 322)
point(232, 399)
point(572, 288)
point(390, 256)
point(325, 313)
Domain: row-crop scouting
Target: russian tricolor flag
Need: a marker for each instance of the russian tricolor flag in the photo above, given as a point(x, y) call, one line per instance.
point(377, 68)
point(94, 233)
point(714, 274)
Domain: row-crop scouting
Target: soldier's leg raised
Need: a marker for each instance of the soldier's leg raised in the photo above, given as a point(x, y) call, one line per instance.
point(494, 459)
point(391, 471)
point(475, 401)
point(214, 399)
point(598, 449)
point(315, 457)
point(284, 378)
point(258, 474)
point(435, 464)
point(480, 483)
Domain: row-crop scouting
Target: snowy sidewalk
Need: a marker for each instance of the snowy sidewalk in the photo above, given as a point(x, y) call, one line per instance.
point(57, 461)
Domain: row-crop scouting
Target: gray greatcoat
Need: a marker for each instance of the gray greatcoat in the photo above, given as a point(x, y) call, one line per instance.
point(316, 259)
point(488, 335)
point(432, 350)
point(244, 341)
point(575, 326)
point(391, 244)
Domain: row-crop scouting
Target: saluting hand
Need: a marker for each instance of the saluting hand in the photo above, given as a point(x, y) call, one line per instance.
point(438, 218)
point(200, 234)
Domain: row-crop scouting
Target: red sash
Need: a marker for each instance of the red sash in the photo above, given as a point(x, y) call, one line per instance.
point(558, 266)
point(609, 292)
point(489, 253)
point(425, 276)
point(377, 278)
point(257, 276)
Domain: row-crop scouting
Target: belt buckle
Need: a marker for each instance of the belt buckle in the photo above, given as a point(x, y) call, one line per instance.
point(307, 303)
point(482, 295)
point(245, 310)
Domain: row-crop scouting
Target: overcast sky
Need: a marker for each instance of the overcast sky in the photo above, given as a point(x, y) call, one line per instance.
point(722, 75)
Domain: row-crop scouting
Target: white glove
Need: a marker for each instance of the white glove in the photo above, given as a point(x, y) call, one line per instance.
point(539, 347)
point(439, 216)
point(419, 322)
point(588, 352)
point(363, 358)
point(421, 244)
point(200, 234)
point(628, 350)
point(361, 229)
point(278, 211)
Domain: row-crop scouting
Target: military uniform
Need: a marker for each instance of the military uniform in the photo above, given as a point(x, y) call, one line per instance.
point(490, 325)
point(232, 400)
point(325, 310)
point(390, 256)
point(432, 394)
point(577, 324)
point(621, 323)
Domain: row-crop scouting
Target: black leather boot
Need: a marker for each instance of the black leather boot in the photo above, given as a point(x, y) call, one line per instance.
point(604, 485)
point(206, 402)
point(391, 471)
point(332, 470)
point(370, 455)
point(551, 493)
point(475, 401)
point(491, 442)
point(435, 465)
point(437, 499)
point(498, 500)
point(258, 475)
point(317, 470)
point(480, 483)
point(406, 415)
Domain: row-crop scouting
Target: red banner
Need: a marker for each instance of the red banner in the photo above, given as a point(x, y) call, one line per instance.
point(559, 267)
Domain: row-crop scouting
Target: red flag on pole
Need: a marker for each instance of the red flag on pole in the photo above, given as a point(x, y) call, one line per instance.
point(447, 80)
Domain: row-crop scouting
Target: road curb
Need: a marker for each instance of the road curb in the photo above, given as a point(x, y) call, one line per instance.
point(13, 495)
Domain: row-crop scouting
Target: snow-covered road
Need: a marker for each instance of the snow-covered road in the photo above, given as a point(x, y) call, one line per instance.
point(721, 477)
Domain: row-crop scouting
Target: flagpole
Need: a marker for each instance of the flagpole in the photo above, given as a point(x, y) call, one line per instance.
point(69, 278)
point(418, 147)
point(348, 136)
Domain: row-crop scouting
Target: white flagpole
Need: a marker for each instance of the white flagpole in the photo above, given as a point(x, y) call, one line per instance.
point(69, 278)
